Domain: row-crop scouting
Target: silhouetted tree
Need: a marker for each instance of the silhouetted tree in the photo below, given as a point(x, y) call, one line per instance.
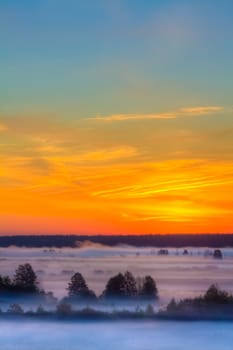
point(149, 310)
point(15, 309)
point(116, 287)
point(25, 279)
point(131, 285)
point(149, 289)
point(218, 254)
point(5, 284)
point(139, 310)
point(78, 288)
point(64, 309)
point(163, 252)
point(172, 306)
point(40, 310)
point(216, 296)
point(139, 284)
point(215, 303)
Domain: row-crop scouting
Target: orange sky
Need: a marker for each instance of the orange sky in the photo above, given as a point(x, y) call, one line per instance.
point(116, 176)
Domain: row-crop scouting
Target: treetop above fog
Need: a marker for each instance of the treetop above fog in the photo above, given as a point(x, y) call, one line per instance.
point(120, 286)
point(126, 286)
point(24, 281)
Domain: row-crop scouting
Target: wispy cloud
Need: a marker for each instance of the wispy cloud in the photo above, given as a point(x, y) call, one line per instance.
point(180, 113)
point(110, 154)
point(201, 110)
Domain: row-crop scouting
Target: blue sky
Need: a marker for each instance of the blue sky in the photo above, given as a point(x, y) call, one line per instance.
point(82, 55)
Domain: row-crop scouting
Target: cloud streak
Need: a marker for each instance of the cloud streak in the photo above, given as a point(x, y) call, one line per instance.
point(180, 113)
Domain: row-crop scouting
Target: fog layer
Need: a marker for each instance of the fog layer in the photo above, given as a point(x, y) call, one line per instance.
point(176, 275)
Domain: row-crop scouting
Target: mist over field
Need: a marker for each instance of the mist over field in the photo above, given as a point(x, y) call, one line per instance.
point(176, 275)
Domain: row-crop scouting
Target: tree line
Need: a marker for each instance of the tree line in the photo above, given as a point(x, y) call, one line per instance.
point(66, 310)
point(157, 240)
point(121, 286)
point(24, 281)
point(215, 304)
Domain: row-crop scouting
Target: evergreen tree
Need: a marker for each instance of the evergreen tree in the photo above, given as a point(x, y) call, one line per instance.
point(5, 284)
point(149, 289)
point(25, 279)
point(78, 288)
point(172, 306)
point(116, 287)
point(131, 285)
point(214, 295)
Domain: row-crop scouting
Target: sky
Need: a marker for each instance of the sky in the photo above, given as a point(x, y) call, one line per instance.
point(116, 116)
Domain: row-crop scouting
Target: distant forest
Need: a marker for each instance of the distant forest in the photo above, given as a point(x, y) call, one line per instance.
point(168, 240)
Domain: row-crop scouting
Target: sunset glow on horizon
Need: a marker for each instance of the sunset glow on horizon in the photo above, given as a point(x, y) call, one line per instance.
point(122, 124)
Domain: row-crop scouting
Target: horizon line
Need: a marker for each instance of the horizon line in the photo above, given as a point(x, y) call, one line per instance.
point(112, 235)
